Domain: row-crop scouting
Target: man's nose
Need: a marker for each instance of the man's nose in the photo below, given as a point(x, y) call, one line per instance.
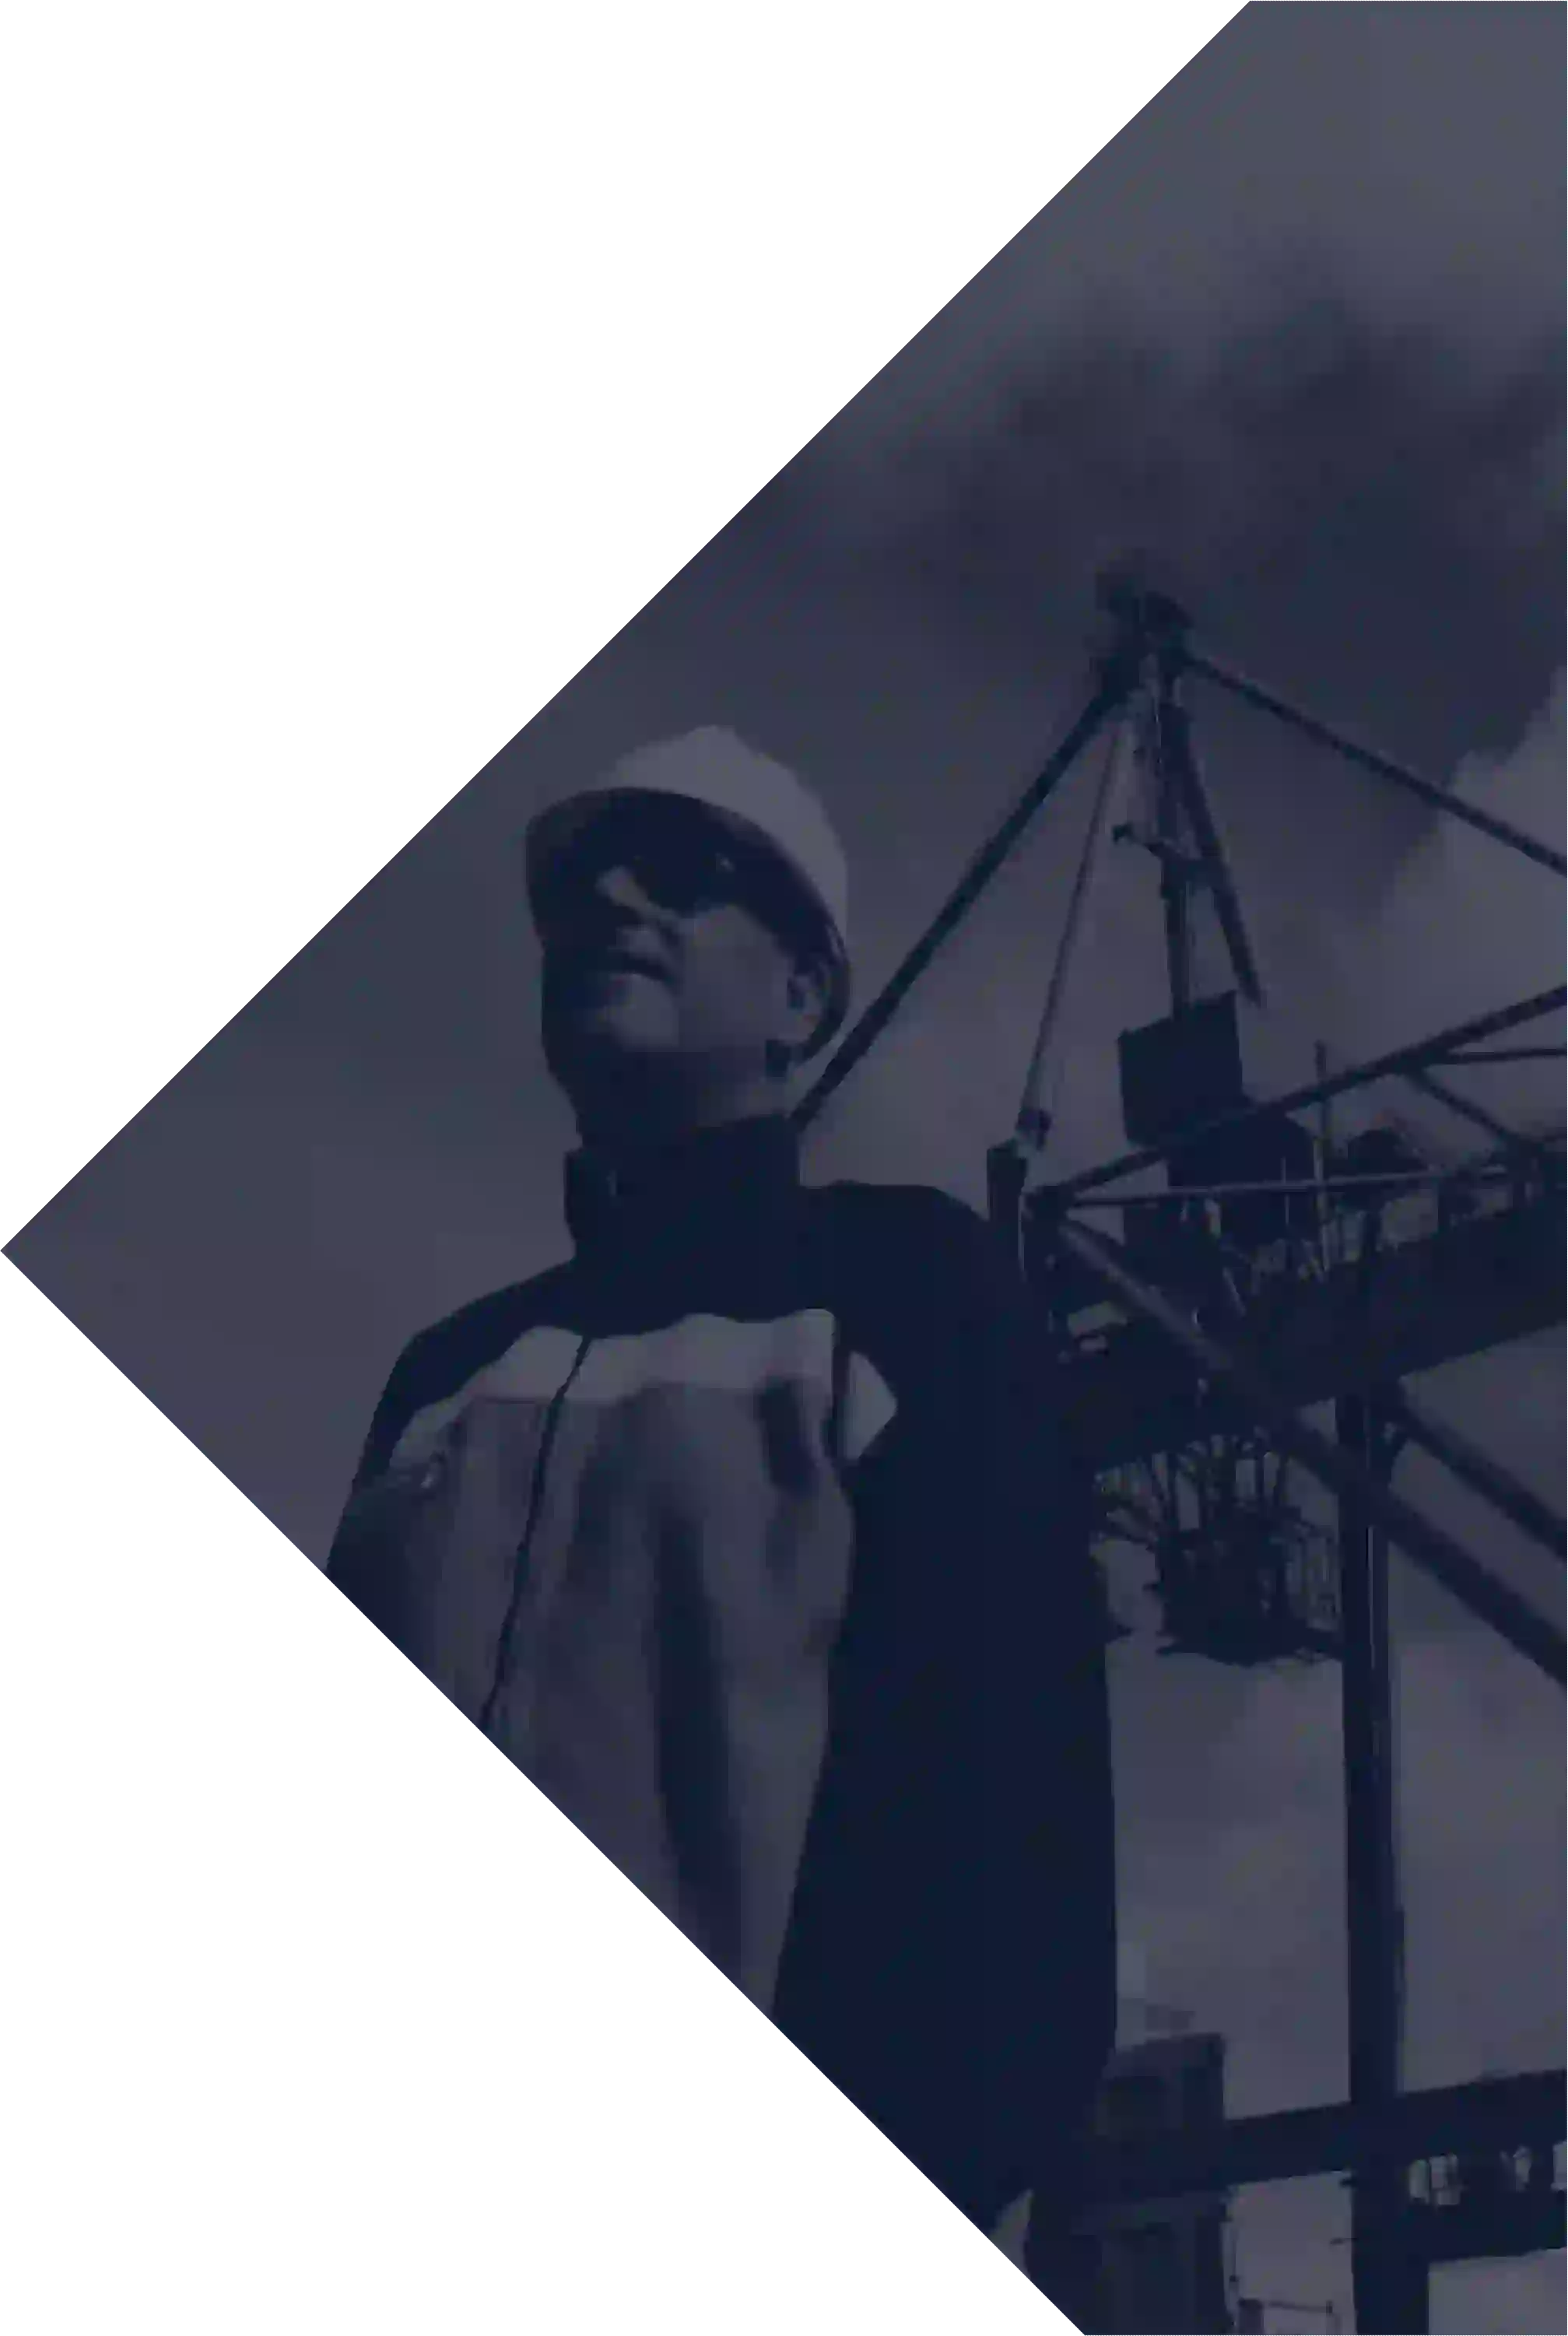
point(621, 888)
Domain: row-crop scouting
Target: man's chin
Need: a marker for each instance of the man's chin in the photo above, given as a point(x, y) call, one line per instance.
point(612, 1034)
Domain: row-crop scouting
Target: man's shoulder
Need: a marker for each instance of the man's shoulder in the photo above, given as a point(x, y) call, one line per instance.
point(912, 1252)
point(914, 1220)
point(438, 1359)
point(916, 1204)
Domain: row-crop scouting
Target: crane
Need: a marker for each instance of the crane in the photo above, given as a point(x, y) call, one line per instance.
point(1264, 1272)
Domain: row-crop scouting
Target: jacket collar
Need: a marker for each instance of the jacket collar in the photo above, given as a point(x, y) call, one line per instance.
point(720, 1181)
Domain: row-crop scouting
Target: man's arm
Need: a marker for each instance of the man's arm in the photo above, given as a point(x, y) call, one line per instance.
point(352, 1560)
point(432, 1365)
point(968, 1806)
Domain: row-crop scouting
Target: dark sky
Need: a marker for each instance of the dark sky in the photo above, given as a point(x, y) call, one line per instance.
point(1297, 334)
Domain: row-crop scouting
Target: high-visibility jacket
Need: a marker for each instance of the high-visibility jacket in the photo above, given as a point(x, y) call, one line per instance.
point(750, 1536)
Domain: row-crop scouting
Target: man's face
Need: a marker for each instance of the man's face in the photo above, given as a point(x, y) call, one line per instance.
point(666, 958)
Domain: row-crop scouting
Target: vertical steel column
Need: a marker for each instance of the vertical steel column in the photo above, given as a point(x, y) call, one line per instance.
point(1391, 2285)
point(1175, 877)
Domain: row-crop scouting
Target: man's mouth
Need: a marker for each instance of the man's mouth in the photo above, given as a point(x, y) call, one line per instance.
point(598, 965)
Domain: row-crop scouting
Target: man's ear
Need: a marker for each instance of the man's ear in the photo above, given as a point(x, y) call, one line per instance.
point(807, 995)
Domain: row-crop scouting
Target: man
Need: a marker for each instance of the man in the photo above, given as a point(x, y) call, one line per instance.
point(747, 1533)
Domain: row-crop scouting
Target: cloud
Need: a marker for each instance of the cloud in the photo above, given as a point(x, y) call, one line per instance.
point(1468, 926)
point(1232, 1875)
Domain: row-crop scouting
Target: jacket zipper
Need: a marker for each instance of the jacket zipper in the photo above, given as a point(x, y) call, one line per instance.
point(535, 1501)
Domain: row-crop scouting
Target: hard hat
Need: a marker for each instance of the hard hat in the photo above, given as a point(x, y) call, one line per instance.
point(715, 768)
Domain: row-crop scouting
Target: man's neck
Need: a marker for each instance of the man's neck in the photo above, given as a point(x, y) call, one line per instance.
point(712, 1185)
point(631, 1123)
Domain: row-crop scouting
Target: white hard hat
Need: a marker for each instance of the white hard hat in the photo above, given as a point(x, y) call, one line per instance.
point(715, 768)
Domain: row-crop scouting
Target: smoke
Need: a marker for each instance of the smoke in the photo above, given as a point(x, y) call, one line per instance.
point(1296, 464)
point(1355, 506)
point(1470, 925)
point(1295, 337)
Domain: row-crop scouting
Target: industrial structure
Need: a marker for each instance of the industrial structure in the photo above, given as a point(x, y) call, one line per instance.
point(1154, 2263)
point(1264, 2315)
point(1162, 2262)
point(1267, 1269)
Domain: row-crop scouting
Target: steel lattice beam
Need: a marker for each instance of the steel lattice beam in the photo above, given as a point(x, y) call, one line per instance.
point(1495, 2113)
point(1479, 1284)
point(1529, 1633)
